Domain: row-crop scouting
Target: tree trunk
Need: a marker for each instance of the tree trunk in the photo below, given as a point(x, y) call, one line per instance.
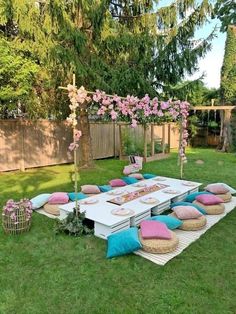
point(86, 155)
point(226, 132)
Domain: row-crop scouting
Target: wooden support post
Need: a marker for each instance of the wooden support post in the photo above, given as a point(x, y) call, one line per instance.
point(169, 137)
point(152, 141)
point(163, 138)
point(121, 143)
point(22, 145)
point(145, 143)
point(114, 139)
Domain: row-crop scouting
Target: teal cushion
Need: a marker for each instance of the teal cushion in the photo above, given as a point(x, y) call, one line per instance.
point(123, 242)
point(105, 188)
point(202, 210)
point(149, 175)
point(191, 197)
point(171, 222)
point(130, 180)
point(40, 200)
point(80, 196)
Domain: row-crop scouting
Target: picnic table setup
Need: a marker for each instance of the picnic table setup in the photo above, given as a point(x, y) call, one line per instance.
point(118, 209)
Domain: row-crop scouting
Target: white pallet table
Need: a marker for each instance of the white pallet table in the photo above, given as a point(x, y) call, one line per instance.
point(106, 223)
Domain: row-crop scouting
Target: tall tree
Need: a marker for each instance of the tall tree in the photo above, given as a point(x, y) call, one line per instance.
point(120, 46)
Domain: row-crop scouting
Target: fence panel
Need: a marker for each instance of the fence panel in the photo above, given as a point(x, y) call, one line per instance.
point(26, 144)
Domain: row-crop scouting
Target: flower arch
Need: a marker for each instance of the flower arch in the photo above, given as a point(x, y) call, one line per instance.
point(133, 110)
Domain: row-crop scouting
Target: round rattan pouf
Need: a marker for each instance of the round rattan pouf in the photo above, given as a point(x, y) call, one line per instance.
point(158, 245)
point(225, 197)
point(192, 224)
point(52, 209)
point(212, 209)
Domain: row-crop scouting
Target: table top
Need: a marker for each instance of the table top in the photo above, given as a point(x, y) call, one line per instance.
point(100, 211)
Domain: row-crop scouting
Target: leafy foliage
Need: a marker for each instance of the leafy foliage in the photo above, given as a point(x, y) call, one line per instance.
point(73, 225)
point(17, 77)
point(225, 11)
point(120, 46)
point(228, 71)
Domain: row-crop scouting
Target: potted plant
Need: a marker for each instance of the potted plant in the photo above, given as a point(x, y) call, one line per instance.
point(17, 216)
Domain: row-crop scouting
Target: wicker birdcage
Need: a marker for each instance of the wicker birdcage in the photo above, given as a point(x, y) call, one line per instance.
point(20, 224)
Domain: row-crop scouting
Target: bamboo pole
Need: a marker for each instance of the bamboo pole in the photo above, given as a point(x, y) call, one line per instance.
point(145, 143)
point(152, 141)
point(121, 143)
point(163, 138)
point(169, 130)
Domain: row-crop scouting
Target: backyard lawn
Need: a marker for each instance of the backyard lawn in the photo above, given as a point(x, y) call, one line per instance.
point(46, 273)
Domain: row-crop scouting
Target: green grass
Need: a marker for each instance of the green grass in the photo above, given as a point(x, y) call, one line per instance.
point(44, 273)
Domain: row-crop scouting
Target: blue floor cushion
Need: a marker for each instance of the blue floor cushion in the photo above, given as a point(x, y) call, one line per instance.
point(149, 175)
point(105, 188)
point(123, 242)
point(80, 196)
point(40, 200)
point(130, 180)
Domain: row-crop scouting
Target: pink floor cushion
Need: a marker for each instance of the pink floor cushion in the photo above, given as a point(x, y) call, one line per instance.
point(117, 183)
point(209, 199)
point(90, 189)
point(154, 230)
point(137, 176)
point(216, 188)
point(186, 212)
point(58, 198)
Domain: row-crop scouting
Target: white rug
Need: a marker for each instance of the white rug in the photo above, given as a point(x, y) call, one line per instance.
point(187, 237)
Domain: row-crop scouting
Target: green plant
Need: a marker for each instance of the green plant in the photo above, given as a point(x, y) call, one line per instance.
point(74, 225)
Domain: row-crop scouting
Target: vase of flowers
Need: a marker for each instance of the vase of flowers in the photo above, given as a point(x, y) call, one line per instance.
point(17, 216)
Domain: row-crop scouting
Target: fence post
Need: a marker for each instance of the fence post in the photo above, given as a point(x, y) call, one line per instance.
point(163, 138)
point(21, 126)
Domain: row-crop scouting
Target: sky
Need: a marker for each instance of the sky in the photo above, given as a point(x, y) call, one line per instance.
point(211, 64)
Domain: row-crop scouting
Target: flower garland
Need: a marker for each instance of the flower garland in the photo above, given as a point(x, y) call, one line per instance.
point(77, 97)
point(133, 110)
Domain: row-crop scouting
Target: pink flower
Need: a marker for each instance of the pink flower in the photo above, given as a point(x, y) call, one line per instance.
point(134, 123)
point(77, 135)
point(73, 146)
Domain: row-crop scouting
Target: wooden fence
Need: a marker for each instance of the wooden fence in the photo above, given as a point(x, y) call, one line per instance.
point(28, 144)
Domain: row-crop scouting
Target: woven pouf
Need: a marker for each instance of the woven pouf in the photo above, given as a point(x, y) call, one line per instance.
point(212, 209)
point(225, 197)
point(52, 209)
point(192, 224)
point(158, 245)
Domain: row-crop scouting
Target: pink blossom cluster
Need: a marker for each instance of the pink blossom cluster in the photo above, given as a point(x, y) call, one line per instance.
point(13, 208)
point(75, 144)
point(77, 97)
point(184, 111)
point(144, 111)
point(135, 110)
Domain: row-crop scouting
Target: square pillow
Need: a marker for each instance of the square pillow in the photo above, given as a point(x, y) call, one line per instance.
point(40, 200)
point(117, 182)
point(209, 199)
point(137, 176)
point(192, 196)
point(186, 212)
point(123, 242)
point(105, 188)
point(216, 188)
point(58, 198)
point(151, 229)
point(202, 210)
point(130, 180)
point(90, 189)
point(231, 190)
point(149, 175)
point(170, 222)
point(80, 196)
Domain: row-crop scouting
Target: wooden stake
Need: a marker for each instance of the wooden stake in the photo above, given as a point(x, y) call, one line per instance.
point(145, 143)
point(152, 141)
